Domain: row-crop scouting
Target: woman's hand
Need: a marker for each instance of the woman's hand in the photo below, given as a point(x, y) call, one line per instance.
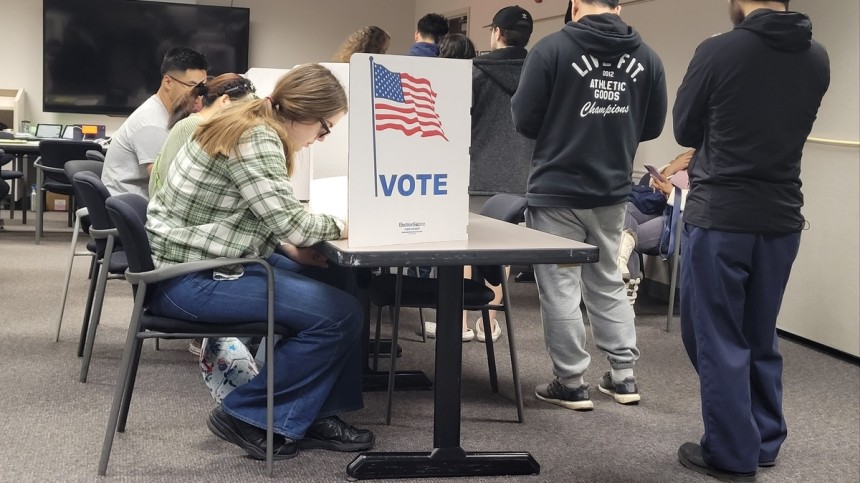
point(663, 186)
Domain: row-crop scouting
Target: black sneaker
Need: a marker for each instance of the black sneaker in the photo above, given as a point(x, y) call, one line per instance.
point(624, 392)
point(557, 393)
point(333, 434)
point(690, 457)
point(249, 437)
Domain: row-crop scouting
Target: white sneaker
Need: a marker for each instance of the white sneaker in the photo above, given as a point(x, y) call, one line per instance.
point(479, 330)
point(625, 248)
point(633, 289)
point(430, 331)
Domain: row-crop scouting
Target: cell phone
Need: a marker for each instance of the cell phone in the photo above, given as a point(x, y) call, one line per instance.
point(654, 173)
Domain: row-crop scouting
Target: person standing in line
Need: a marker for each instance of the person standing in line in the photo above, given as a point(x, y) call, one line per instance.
point(747, 104)
point(588, 95)
point(431, 28)
point(369, 40)
point(495, 142)
point(138, 141)
point(456, 46)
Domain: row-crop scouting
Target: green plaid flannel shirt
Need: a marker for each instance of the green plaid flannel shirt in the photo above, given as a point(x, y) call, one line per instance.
point(241, 205)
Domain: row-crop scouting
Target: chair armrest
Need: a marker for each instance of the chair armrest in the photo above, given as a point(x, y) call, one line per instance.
point(37, 163)
point(103, 233)
point(82, 212)
point(173, 271)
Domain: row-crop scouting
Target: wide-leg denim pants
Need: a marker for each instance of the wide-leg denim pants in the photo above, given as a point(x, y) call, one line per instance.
point(317, 370)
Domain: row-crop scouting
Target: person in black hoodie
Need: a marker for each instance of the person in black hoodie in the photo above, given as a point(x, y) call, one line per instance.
point(588, 95)
point(747, 104)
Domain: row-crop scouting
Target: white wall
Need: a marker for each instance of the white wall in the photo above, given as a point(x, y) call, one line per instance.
point(283, 33)
point(821, 302)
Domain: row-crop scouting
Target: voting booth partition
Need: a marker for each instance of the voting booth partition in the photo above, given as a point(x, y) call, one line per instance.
point(397, 165)
point(409, 136)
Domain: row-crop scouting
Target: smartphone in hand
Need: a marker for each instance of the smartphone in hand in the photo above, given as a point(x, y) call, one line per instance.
point(654, 173)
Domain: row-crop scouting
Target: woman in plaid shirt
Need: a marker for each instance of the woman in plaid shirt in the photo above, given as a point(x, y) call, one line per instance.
point(228, 194)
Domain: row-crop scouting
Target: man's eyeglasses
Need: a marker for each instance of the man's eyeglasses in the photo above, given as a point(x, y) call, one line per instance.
point(326, 130)
point(186, 84)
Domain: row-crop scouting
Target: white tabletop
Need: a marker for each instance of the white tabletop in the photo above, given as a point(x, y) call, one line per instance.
point(490, 242)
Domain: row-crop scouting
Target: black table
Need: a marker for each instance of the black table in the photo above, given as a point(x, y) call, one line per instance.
point(491, 242)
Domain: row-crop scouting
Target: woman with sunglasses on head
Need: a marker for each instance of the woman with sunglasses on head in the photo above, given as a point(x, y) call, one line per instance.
point(213, 94)
point(228, 194)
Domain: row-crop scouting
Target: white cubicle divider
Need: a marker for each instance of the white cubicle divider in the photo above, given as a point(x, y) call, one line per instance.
point(409, 136)
point(322, 159)
point(264, 81)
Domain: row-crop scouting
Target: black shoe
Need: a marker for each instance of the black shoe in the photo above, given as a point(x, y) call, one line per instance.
point(624, 392)
point(249, 437)
point(333, 434)
point(690, 456)
point(767, 464)
point(557, 393)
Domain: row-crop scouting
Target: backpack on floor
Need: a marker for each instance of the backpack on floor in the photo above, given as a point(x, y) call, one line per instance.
point(226, 364)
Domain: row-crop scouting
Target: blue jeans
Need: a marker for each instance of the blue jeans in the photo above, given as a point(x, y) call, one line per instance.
point(318, 369)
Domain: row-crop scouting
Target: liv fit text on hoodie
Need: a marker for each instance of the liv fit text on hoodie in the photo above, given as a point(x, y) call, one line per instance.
point(588, 95)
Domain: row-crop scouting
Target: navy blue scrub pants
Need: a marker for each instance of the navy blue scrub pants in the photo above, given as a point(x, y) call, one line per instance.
point(731, 290)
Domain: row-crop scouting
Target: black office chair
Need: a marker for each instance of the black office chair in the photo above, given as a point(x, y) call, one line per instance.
point(110, 260)
point(82, 223)
point(51, 176)
point(10, 175)
point(128, 213)
point(397, 290)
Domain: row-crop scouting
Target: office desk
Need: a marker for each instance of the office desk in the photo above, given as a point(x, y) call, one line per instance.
point(491, 242)
point(24, 151)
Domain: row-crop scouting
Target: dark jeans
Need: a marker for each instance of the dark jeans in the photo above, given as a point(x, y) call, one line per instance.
point(318, 370)
point(731, 290)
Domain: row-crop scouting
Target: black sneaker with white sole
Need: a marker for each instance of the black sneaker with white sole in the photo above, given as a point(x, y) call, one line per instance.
point(624, 392)
point(557, 393)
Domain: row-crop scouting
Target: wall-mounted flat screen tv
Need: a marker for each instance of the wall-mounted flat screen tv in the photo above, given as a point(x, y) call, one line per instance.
point(104, 56)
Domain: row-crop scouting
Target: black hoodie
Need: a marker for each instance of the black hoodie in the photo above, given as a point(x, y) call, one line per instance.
point(500, 155)
point(588, 95)
point(747, 104)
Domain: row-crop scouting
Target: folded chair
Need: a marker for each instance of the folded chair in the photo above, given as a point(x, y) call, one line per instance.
point(128, 213)
point(397, 290)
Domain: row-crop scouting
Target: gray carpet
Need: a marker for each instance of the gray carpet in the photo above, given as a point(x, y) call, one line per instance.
point(53, 425)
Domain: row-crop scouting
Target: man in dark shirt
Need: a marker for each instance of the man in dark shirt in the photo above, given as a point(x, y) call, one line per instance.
point(747, 104)
point(588, 95)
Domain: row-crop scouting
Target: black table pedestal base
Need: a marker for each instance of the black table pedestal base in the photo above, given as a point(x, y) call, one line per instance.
point(368, 466)
point(378, 381)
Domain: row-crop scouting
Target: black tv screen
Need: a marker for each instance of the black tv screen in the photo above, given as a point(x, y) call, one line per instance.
point(104, 56)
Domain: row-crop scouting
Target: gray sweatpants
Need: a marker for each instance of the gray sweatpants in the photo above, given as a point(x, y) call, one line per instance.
point(599, 284)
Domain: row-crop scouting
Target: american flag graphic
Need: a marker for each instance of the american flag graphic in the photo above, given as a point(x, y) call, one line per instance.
point(405, 103)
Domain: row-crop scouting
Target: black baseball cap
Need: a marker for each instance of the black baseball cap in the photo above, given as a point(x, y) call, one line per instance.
point(513, 18)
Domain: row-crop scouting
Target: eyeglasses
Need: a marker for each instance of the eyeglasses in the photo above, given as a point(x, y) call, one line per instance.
point(326, 130)
point(186, 84)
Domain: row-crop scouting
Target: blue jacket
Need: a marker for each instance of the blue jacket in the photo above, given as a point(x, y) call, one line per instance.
point(424, 49)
